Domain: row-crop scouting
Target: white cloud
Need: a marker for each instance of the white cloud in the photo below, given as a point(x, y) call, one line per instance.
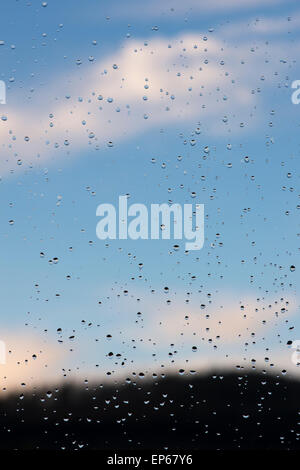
point(186, 80)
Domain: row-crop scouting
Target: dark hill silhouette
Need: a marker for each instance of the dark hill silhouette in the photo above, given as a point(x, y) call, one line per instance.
point(246, 410)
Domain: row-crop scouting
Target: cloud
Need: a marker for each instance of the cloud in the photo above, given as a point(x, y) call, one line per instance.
point(222, 330)
point(224, 321)
point(30, 362)
point(261, 26)
point(190, 80)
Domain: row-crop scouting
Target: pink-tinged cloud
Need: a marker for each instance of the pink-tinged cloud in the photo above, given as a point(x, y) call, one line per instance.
point(29, 361)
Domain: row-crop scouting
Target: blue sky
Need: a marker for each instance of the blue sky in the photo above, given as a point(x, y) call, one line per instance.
point(219, 90)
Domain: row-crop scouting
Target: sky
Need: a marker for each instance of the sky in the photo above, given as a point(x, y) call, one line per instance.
point(166, 102)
